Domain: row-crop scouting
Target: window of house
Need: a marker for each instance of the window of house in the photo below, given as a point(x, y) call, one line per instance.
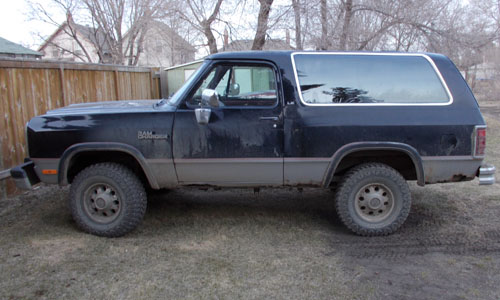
point(158, 48)
point(368, 79)
point(240, 85)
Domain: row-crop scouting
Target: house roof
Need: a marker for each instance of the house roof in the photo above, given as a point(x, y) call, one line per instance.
point(93, 35)
point(9, 47)
point(245, 45)
point(51, 37)
point(96, 35)
point(166, 30)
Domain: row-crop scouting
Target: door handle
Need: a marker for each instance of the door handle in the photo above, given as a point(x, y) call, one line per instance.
point(269, 118)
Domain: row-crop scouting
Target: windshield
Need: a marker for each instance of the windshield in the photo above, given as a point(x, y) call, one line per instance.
point(176, 98)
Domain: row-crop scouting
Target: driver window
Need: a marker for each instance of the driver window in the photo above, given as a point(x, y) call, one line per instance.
point(240, 86)
point(211, 82)
point(222, 85)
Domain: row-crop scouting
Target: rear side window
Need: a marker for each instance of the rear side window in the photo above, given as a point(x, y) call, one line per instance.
point(368, 79)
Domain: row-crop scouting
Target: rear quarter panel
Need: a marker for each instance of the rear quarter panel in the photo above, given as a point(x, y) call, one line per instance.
point(442, 134)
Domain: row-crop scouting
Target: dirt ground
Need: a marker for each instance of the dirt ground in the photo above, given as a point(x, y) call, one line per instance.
point(279, 243)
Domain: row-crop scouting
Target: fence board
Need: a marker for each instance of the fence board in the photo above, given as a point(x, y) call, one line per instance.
point(3, 128)
point(30, 88)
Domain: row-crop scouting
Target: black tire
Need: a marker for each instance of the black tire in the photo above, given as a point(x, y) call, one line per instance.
point(107, 199)
point(373, 199)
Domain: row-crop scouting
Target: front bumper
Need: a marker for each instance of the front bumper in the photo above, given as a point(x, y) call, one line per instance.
point(24, 175)
point(486, 174)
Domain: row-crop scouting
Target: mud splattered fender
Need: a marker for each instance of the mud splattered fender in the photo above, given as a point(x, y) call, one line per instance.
point(357, 146)
point(120, 147)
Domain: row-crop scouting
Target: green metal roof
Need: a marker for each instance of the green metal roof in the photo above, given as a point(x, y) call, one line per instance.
point(13, 48)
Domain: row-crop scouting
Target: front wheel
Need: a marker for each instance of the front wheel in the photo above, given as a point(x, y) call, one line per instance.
point(373, 199)
point(107, 199)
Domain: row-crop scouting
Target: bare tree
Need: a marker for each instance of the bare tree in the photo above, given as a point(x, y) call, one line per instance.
point(298, 28)
point(68, 7)
point(372, 24)
point(489, 10)
point(324, 25)
point(125, 24)
point(348, 11)
point(262, 24)
point(459, 30)
point(117, 30)
point(197, 17)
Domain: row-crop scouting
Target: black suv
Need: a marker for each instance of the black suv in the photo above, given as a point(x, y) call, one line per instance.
point(362, 123)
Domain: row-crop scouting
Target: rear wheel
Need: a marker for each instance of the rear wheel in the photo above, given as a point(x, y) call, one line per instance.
point(107, 199)
point(373, 199)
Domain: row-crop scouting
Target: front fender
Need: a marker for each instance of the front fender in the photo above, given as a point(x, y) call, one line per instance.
point(120, 147)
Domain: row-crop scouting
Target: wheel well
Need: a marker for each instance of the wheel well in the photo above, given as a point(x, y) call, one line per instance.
point(84, 159)
point(398, 160)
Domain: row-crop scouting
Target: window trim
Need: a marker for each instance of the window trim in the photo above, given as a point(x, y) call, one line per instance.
point(251, 63)
point(433, 65)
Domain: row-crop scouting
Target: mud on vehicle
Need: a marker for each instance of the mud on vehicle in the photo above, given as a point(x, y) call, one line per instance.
point(364, 123)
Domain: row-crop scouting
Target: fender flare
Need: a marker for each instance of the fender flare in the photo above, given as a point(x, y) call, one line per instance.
point(93, 146)
point(360, 146)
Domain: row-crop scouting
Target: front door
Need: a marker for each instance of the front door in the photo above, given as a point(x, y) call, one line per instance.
point(242, 145)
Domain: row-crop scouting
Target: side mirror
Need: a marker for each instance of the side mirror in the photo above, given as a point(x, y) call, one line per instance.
point(234, 89)
point(209, 98)
point(202, 115)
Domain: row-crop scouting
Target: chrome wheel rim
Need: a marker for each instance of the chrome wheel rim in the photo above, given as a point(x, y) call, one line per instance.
point(102, 203)
point(374, 202)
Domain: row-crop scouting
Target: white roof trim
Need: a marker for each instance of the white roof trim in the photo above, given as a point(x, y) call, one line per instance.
point(431, 62)
point(184, 65)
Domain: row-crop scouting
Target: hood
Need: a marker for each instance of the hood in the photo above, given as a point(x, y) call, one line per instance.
point(123, 106)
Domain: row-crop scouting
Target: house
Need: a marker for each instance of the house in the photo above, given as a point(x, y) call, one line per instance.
point(162, 46)
point(74, 42)
point(9, 49)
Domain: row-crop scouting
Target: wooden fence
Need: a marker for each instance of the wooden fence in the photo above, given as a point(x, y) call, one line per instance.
point(30, 88)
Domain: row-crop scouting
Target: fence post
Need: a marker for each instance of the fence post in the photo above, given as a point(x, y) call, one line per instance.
point(63, 85)
point(117, 88)
point(3, 185)
point(151, 83)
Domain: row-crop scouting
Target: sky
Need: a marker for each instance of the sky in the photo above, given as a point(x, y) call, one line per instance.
point(16, 27)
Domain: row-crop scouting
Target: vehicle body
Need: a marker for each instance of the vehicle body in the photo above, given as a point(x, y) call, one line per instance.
point(273, 119)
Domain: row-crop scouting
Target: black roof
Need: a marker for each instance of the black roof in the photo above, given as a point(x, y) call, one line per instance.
point(271, 55)
point(256, 54)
